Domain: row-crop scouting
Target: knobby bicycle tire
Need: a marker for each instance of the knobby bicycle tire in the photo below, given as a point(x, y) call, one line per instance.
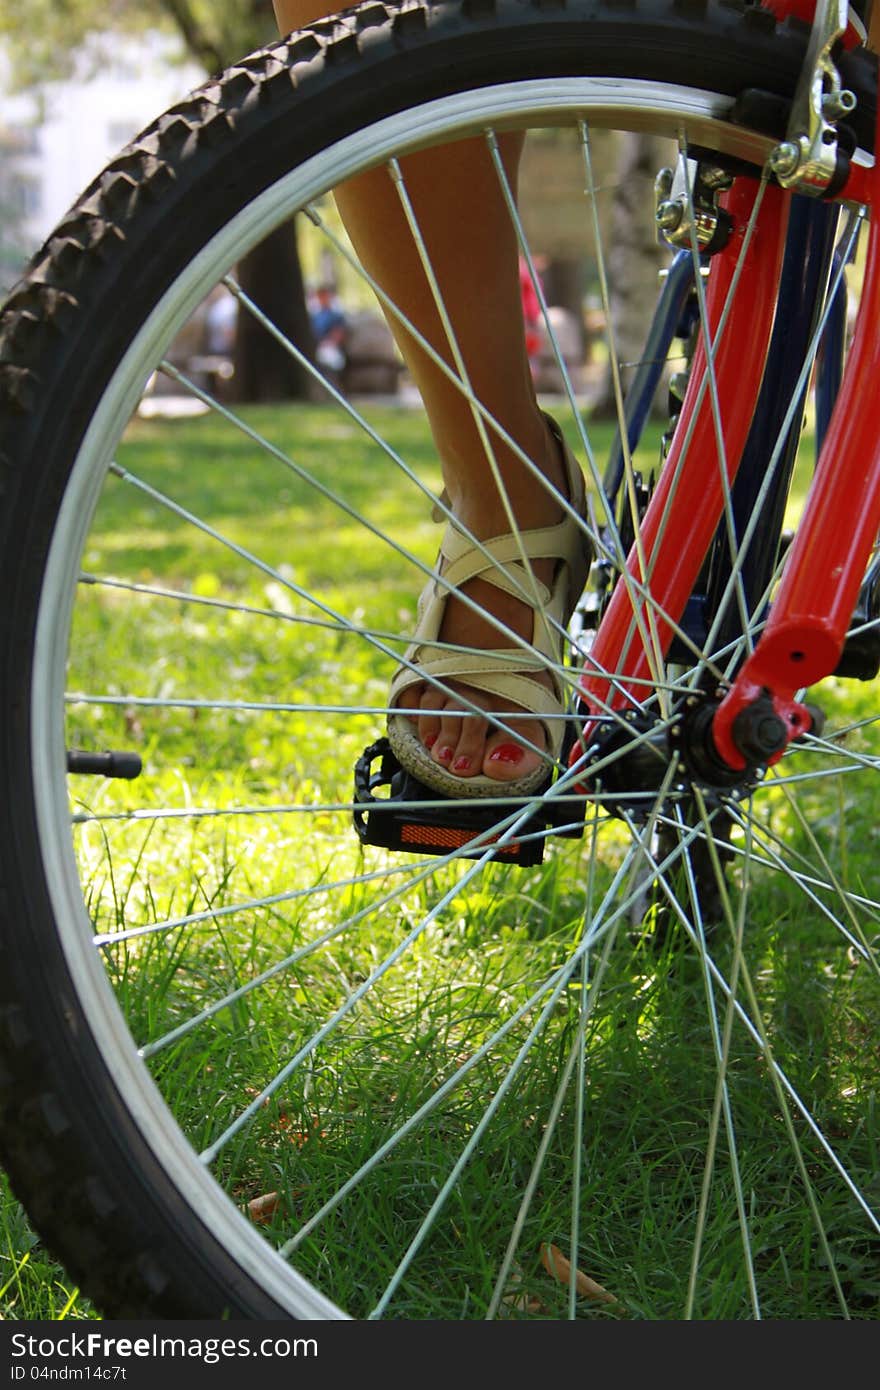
point(76, 1139)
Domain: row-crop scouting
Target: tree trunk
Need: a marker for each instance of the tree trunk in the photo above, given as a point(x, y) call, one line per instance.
point(633, 256)
point(217, 36)
point(564, 281)
point(271, 275)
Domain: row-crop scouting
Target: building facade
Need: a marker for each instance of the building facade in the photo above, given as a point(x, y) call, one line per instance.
point(54, 140)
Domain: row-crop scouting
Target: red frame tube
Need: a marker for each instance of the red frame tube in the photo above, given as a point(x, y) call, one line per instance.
point(811, 612)
point(679, 525)
point(824, 568)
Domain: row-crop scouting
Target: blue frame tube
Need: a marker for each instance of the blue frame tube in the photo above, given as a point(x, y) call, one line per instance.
point(640, 396)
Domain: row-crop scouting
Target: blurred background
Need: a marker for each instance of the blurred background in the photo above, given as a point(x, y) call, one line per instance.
point(78, 81)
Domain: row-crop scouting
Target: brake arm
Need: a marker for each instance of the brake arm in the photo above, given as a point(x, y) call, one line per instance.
point(810, 159)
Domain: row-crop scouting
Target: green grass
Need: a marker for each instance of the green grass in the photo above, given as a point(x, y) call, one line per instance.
point(33, 1286)
point(650, 1081)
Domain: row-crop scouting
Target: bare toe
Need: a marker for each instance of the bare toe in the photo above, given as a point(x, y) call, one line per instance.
point(426, 702)
point(467, 757)
point(443, 751)
point(505, 759)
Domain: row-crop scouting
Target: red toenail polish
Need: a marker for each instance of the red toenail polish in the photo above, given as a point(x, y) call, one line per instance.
point(444, 755)
point(461, 765)
point(506, 753)
point(430, 740)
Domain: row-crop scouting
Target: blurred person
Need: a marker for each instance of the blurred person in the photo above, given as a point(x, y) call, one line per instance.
point(533, 314)
point(220, 320)
point(330, 329)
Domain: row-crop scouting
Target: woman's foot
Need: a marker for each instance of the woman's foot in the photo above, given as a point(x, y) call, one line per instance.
point(472, 748)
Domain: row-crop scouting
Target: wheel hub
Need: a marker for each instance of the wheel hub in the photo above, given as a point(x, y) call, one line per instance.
point(642, 756)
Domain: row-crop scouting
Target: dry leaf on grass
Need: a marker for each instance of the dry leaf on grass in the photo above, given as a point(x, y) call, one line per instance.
point(521, 1302)
point(559, 1268)
point(299, 1137)
point(262, 1209)
point(254, 1092)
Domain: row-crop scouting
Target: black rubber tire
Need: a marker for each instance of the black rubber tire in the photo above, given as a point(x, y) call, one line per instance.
point(74, 1150)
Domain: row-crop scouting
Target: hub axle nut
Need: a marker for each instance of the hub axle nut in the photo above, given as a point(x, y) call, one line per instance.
point(758, 731)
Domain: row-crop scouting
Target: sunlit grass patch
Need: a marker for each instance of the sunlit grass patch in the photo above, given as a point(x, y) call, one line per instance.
point(237, 913)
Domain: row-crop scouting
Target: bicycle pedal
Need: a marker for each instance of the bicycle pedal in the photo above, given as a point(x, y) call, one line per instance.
point(406, 815)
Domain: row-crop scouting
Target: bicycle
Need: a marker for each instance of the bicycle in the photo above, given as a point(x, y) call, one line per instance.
point(215, 897)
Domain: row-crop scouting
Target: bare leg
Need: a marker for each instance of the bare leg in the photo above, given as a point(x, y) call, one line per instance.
point(473, 250)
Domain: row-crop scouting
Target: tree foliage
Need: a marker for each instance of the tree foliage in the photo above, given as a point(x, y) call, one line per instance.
point(49, 39)
point(56, 39)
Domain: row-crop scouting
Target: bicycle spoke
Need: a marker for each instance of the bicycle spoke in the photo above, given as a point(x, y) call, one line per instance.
point(574, 1060)
point(354, 1010)
point(721, 1041)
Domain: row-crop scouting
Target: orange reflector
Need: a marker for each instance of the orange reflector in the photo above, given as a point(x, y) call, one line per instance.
point(450, 837)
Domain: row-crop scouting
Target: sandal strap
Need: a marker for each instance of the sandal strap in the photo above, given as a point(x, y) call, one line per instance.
point(500, 560)
point(505, 674)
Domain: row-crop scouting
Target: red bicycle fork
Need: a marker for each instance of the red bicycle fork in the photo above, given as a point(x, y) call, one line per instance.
point(812, 608)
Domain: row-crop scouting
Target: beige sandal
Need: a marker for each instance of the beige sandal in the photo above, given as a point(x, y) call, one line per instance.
point(490, 671)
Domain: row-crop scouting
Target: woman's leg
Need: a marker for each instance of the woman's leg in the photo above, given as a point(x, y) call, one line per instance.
point(472, 245)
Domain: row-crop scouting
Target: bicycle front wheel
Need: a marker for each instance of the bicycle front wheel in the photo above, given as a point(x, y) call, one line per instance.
point(254, 1063)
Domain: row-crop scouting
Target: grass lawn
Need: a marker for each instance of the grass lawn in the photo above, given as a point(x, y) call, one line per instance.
point(33, 1286)
point(242, 891)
